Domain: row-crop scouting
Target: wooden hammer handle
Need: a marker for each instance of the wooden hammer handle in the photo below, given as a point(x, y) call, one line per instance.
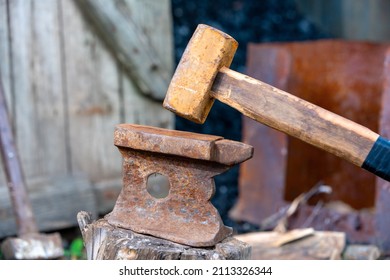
point(13, 171)
point(306, 121)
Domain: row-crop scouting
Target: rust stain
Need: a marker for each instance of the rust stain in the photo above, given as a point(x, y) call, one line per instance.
point(343, 77)
point(95, 110)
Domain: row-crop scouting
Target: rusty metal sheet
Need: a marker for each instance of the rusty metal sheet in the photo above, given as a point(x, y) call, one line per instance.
point(261, 182)
point(343, 77)
point(185, 214)
point(382, 217)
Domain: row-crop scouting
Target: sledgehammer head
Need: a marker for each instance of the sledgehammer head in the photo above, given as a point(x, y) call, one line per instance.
point(33, 246)
point(208, 51)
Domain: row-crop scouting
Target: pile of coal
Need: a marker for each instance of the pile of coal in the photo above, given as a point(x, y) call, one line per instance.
point(246, 21)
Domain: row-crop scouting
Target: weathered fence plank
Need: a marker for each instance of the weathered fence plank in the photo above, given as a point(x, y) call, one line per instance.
point(350, 19)
point(66, 91)
point(93, 99)
point(5, 65)
point(140, 109)
point(115, 21)
point(152, 17)
point(55, 201)
point(37, 83)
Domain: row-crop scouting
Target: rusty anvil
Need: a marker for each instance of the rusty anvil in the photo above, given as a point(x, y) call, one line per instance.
point(203, 75)
point(188, 162)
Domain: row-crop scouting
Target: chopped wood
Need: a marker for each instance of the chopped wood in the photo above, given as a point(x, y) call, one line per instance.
point(316, 246)
point(361, 252)
point(279, 220)
point(106, 242)
point(293, 235)
point(319, 188)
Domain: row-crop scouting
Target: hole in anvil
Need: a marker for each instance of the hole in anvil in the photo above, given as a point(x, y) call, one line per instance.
point(158, 185)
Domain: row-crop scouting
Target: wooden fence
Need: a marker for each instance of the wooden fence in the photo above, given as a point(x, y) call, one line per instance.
point(66, 91)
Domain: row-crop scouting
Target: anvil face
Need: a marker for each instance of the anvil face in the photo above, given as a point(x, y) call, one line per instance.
point(184, 214)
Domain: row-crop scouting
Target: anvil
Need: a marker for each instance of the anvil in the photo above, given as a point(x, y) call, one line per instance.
point(186, 164)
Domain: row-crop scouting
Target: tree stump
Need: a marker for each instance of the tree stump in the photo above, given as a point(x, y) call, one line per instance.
point(106, 242)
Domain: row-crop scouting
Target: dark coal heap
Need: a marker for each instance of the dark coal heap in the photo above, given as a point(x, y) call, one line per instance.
point(246, 21)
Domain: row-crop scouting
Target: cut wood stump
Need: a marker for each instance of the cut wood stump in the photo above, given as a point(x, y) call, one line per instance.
point(299, 244)
point(106, 242)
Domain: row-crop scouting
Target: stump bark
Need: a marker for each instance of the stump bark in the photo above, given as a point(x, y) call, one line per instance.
point(106, 242)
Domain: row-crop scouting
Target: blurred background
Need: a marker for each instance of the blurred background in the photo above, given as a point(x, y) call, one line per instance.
point(73, 69)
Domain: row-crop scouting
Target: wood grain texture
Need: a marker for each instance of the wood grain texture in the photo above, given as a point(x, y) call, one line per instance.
point(55, 202)
point(153, 18)
point(93, 100)
point(14, 174)
point(319, 246)
point(261, 181)
point(117, 26)
point(294, 116)
point(105, 97)
point(66, 91)
point(5, 54)
point(5, 65)
point(138, 108)
point(37, 84)
point(106, 242)
point(106, 194)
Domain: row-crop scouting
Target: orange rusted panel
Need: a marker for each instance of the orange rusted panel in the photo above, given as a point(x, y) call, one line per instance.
point(382, 210)
point(343, 77)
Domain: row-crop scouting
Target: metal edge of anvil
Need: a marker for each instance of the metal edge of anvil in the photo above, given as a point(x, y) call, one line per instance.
point(181, 143)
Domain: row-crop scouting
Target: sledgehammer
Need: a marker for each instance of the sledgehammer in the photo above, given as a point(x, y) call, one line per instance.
point(203, 75)
point(29, 244)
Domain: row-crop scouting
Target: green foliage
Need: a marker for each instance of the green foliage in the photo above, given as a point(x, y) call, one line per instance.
point(76, 250)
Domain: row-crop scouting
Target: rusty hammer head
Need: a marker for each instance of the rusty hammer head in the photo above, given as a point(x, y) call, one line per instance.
point(33, 246)
point(208, 51)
